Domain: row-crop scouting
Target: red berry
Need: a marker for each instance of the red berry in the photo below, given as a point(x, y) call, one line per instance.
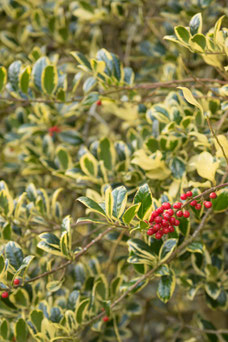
point(171, 229)
point(207, 204)
point(166, 205)
point(183, 197)
point(166, 230)
point(53, 129)
point(105, 319)
point(154, 214)
point(170, 212)
point(186, 213)
point(98, 103)
point(213, 195)
point(193, 203)
point(166, 216)
point(156, 227)
point(164, 223)
point(158, 219)
point(177, 222)
point(159, 210)
point(177, 205)
point(150, 231)
point(158, 235)
point(172, 220)
point(179, 213)
point(5, 294)
point(16, 281)
point(198, 206)
point(189, 194)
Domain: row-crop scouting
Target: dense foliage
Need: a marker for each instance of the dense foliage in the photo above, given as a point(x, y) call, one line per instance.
point(109, 109)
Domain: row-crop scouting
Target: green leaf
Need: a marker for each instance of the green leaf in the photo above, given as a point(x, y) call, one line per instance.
point(13, 74)
point(81, 310)
point(144, 197)
point(100, 288)
point(198, 42)
point(64, 158)
point(14, 254)
point(89, 84)
point(182, 34)
point(120, 200)
point(212, 289)
point(36, 317)
point(49, 79)
point(196, 24)
point(37, 71)
point(21, 331)
point(50, 239)
point(167, 249)
point(177, 167)
point(24, 79)
point(91, 204)
point(108, 202)
point(81, 59)
point(4, 329)
point(166, 287)
point(89, 164)
point(221, 202)
point(190, 98)
point(20, 298)
point(130, 213)
point(3, 77)
point(106, 152)
point(71, 137)
point(54, 285)
point(140, 252)
point(195, 247)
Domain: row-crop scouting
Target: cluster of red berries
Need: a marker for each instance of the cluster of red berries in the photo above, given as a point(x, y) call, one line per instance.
point(162, 220)
point(5, 294)
point(98, 103)
point(53, 129)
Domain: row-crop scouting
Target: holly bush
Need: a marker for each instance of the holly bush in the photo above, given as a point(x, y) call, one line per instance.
point(114, 164)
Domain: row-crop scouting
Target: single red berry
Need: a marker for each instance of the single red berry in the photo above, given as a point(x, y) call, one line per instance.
point(179, 213)
point(170, 212)
point(193, 203)
point(156, 227)
point(154, 214)
point(158, 219)
point(177, 205)
point(172, 220)
point(166, 216)
point(150, 231)
point(54, 129)
point(98, 103)
point(160, 210)
point(5, 294)
point(166, 205)
point(158, 235)
point(166, 230)
point(213, 195)
point(16, 281)
point(164, 223)
point(171, 229)
point(207, 204)
point(198, 206)
point(189, 194)
point(105, 319)
point(186, 213)
point(177, 222)
point(183, 197)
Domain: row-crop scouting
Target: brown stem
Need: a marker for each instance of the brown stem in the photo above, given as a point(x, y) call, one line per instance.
point(83, 251)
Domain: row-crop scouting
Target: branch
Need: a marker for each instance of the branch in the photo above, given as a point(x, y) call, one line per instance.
point(83, 251)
